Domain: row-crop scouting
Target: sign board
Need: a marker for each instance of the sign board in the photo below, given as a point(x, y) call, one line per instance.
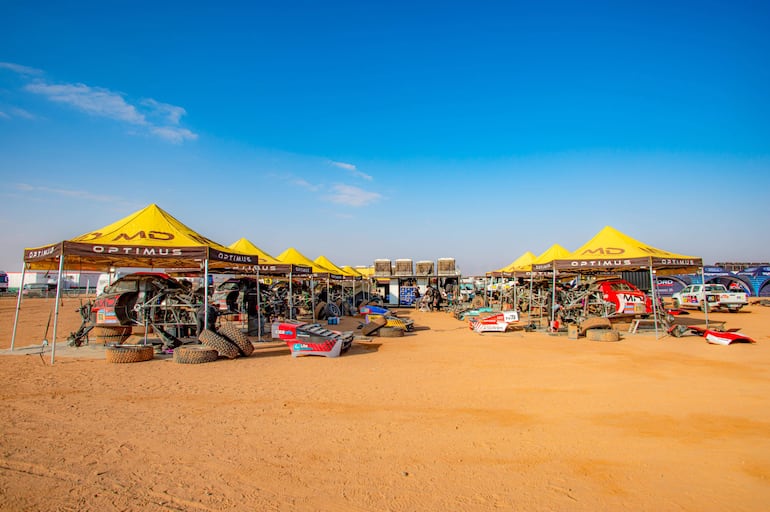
point(406, 295)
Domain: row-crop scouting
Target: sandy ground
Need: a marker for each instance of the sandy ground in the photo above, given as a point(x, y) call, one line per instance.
point(443, 418)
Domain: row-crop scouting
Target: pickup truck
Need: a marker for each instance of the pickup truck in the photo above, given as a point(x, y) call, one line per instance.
point(717, 296)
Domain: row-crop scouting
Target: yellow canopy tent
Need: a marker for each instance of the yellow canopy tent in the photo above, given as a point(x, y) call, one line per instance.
point(611, 250)
point(292, 255)
point(268, 264)
point(508, 269)
point(518, 266)
point(344, 275)
point(244, 245)
point(544, 262)
point(326, 263)
point(521, 263)
point(150, 237)
point(352, 272)
point(365, 271)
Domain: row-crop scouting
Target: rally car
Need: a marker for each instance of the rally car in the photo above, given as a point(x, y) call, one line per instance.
point(602, 298)
point(151, 299)
point(231, 295)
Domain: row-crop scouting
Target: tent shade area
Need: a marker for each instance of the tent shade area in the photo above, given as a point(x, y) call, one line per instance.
point(149, 238)
point(612, 250)
point(270, 265)
point(293, 256)
point(519, 265)
point(545, 261)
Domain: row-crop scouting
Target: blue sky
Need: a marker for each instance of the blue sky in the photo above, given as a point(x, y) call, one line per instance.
point(365, 130)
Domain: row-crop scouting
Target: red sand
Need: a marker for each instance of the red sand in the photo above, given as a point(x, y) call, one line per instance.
point(443, 418)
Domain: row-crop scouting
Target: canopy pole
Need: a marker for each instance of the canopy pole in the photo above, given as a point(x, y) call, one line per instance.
point(205, 294)
point(553, 295)
point(56, 307)
point(654, 299)
point(531, 279)
point(259, 308)
point(291, 296)
point(18, 304)
point(312, 296)
point(705, 296)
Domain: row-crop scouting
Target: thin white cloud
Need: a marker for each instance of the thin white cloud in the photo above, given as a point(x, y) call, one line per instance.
point(352, 169)
point(159, 119)
point(305, 184)
point(20, 112)
point(170, 113)
point(79, 194)
point(3, 115)
point(352, 196)
point(343, 165)
point(22, 70)
point(173, 133)
point(91, 100)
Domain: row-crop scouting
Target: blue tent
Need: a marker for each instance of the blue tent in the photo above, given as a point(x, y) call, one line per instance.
point(758, 278)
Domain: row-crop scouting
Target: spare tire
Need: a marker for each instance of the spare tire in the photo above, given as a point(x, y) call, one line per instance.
point(129, 353)
point(237, 338)
point(333, 310)
point(221, 344)
point(195, 354)
point(596, 322)
point(320, 310)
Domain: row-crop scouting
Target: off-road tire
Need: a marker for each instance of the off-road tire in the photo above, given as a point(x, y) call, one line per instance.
point(391, 332)
point(112, 335)
point(597, 323)
point(129, 353)
point(333, 310)
point(320, 310)
point(237, 338)
point(221, 344)
point(195, 354)
point(677, 305)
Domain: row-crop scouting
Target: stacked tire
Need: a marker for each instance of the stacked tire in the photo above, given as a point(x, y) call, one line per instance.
point(229, 342)
point(237, 338)
point(129, 353)
point(195, 354)
point(223, 346)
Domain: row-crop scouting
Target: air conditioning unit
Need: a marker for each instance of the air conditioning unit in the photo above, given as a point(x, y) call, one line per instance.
point(403, 267)
point(382, 268)
point(424, 268)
